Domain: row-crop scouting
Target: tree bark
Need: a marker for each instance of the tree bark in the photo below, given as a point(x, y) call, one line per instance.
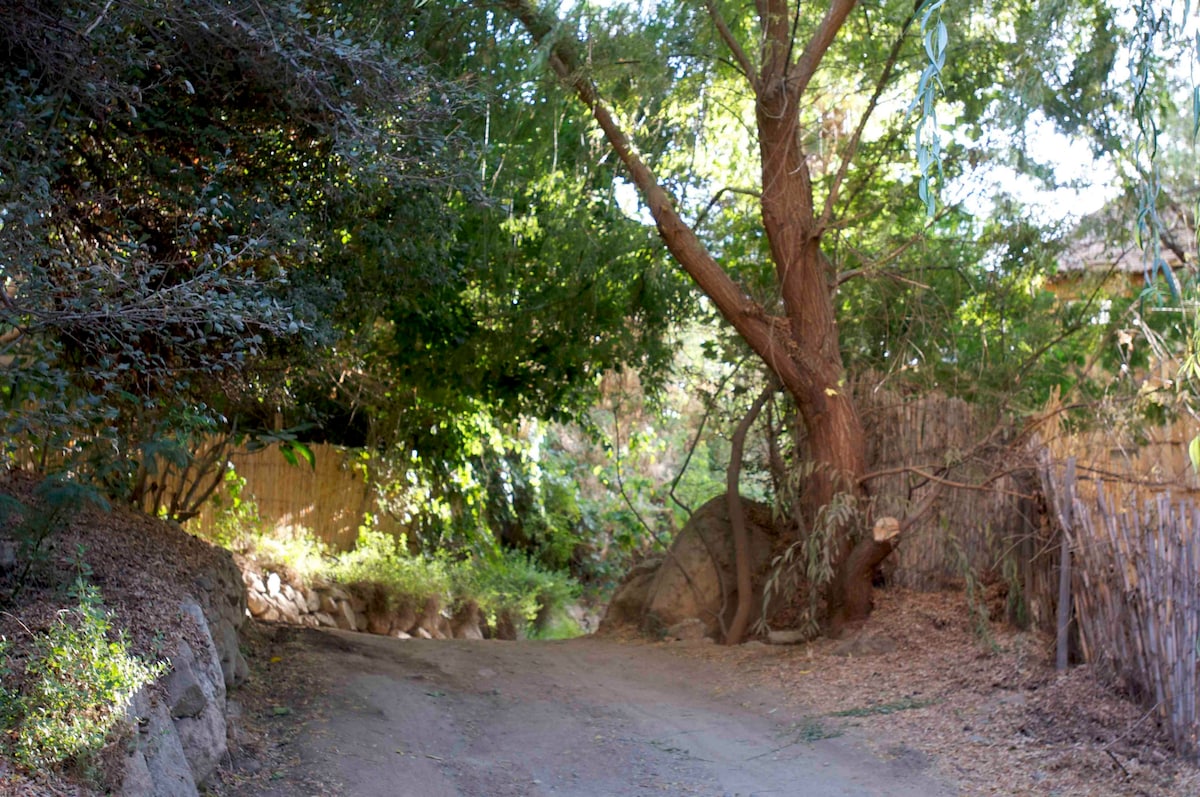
point(737, 523)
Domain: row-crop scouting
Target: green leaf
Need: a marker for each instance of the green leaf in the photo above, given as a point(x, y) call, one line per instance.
point(1194, 453)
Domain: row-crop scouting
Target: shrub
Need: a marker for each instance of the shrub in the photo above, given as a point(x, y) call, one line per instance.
point(511, 588)
point(76, 687)
point(383, 561)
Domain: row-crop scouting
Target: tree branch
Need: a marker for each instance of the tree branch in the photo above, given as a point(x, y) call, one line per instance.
point(852, 148)
point(745, 315)
point(741, 60)
point(801, 73)
point(737, 521)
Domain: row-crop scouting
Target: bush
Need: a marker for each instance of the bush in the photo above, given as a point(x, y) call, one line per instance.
point(382, 561)
point(511, 588)
point(76, 687)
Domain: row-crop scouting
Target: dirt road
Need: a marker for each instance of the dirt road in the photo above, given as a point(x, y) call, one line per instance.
point(365, 715)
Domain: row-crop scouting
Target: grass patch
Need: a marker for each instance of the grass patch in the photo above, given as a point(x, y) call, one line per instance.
point(904, 704)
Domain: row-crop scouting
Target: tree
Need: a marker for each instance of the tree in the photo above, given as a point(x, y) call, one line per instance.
point(794, 330)
point(190, 200)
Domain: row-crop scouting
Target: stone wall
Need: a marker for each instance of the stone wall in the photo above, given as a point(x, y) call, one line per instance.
point(183, 719)
point(270, 597)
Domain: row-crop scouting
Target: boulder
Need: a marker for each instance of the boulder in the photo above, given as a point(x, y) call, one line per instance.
point(628, 604)
point(465, 623)
point(312, 600)
point(325, 620)
point(286, 608)
point(274, 585)
point(156, 765)
point(405, 619)
point(345, 617)
point(328, 603)
point(378, 623)
point(689, 629)
point(185, 695)
point(202, 733)
point(688, 582)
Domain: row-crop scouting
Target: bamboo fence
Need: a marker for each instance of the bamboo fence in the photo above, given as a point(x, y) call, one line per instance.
point(1135, 595)
point(329, 500)
point(930, 442)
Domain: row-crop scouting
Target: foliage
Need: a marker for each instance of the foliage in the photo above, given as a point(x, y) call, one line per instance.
point(510, 587)
point(177, 190)
point(75, 688)
point(382, 560)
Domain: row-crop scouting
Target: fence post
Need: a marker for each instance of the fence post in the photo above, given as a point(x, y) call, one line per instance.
point(1066, 509)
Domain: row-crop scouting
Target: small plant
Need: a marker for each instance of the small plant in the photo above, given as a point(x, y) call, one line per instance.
point(903, 704)
point(76, 687)
point(383, 561)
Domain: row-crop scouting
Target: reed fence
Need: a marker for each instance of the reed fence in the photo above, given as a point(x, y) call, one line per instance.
point(1135, 593)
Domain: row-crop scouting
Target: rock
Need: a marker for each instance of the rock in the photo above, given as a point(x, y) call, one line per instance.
point(287, 590)
point(256, 602)
point(312, 600)
point(325, 619)
point(253, 581)
point(338, 592)
point(378, 623)
point(405, 619)
point(790, 637)
point(465, 623)
point(163, 770)
point(345, 617)
point(587, 619)
point(423, 634)
point(691, 628)
point(309, 620)
point(185, 696)
point(286, 608)
point(137, 779)
point(401, 635)
point(273, 584)
point(233, 663)
point(688, 582)
point(628, 604)
point(329, 604)
point(300, 603)
point(357, 603)
point(442, 629)
point(270, 614)
point(203, 736)
point(360, 622)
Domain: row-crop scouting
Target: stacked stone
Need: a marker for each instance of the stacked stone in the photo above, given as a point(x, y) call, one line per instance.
point(271, 598)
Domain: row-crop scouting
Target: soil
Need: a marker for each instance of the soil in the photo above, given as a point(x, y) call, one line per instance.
point(916, 703)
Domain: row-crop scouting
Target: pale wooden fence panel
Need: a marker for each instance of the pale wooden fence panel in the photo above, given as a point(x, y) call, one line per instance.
point(330, 500)
point(970, 530)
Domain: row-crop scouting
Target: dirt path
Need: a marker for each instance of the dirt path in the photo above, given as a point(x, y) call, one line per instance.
point(364, 715)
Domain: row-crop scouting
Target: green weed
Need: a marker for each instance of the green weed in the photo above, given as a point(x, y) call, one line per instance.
point(904, 704)
point(76, 687)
